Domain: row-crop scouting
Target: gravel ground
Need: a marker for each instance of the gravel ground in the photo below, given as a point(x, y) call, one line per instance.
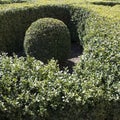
point(76, 51)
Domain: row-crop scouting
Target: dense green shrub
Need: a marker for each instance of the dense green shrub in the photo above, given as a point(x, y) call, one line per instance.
point(11, 1)
point(15, 22)
point(48, 38)
point(108, 3)
point(31, 90)
point(13, 40)
point(100, 63)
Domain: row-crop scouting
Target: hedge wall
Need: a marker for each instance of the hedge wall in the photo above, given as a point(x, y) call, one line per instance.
point(31, 90)
point(15, 22)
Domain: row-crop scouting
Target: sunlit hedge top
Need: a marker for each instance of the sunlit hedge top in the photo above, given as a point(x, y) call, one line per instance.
point(106, 11)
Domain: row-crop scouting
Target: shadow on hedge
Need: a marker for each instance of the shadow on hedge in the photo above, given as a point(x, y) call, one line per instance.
point(111, 4)
point(76, 51)
point(11, 2)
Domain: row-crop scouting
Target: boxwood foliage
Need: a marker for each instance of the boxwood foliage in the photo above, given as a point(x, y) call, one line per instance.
point(47, 38)
point(15, 22)
point(31, 90)
point(100, 63)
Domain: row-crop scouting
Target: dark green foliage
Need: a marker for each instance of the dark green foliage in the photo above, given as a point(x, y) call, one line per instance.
point(48, 38)
point(31, 90)
point(106, 3)
point(78, 22)
point(11, 1)
point(16, 21)
point(100, 64)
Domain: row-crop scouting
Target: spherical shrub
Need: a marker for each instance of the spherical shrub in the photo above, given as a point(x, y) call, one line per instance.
point(48, 38)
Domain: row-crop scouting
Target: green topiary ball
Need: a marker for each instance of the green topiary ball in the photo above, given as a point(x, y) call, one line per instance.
point(48, 38)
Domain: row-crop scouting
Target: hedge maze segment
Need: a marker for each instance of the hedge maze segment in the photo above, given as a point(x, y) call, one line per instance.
point(32, 90)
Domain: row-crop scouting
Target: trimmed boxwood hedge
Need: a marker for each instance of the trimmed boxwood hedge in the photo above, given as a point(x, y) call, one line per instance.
point(48, 38)
point(15, 22)
point(32, 90)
